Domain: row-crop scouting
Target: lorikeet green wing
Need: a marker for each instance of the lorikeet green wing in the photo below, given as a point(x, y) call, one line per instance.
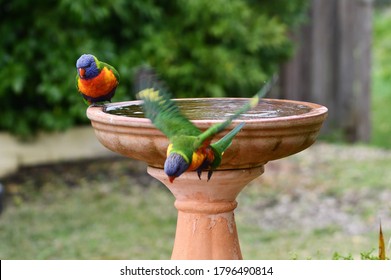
point(160, 109)
point(165, 114)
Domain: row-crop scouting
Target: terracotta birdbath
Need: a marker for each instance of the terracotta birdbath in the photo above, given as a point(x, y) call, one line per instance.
point(206, 227)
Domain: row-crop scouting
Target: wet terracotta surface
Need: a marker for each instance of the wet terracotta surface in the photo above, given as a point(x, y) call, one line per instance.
point(206, 226)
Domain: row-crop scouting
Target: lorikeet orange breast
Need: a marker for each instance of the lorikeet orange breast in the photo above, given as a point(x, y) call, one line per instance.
point(95, 80)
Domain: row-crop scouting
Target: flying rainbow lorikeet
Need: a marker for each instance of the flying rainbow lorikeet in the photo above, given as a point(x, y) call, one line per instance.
point(96, 81)
point(190, 149)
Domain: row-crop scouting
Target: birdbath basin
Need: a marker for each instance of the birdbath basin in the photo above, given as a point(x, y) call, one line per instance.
point(206, 227)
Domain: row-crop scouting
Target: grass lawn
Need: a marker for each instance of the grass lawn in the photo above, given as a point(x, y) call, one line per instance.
point(303, 207)
point(95, 219)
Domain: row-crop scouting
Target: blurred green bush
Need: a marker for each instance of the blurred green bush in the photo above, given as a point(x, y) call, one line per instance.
point(200, 47)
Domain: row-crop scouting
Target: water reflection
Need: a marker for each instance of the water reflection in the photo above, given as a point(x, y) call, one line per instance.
point(212, 109)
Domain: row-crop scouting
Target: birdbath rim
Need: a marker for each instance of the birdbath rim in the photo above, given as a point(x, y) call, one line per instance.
point(316, 110)
point(260, 140)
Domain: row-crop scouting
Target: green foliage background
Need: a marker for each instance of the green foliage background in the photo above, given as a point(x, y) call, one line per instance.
point(200, 47)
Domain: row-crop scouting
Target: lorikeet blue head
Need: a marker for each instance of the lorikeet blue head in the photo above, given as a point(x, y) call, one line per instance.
point(87, 66)
point(175, 165)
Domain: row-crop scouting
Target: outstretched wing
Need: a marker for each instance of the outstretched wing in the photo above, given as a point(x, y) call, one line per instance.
point(161, 110)
point(221, 145)
point(213, 130)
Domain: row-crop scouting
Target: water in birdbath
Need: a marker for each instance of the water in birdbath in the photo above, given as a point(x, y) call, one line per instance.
point(215, 108)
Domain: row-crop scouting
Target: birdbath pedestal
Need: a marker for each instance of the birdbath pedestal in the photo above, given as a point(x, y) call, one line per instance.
point(206, 227)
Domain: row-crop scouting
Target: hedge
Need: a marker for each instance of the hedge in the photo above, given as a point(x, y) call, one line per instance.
point(200, 47)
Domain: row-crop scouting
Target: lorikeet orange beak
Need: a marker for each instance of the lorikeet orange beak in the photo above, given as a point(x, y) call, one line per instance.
point(171, 178)
point(82, 72)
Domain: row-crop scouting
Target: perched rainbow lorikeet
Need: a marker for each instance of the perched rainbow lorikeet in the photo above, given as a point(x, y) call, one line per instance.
point(190, 149)
point(95, 80)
